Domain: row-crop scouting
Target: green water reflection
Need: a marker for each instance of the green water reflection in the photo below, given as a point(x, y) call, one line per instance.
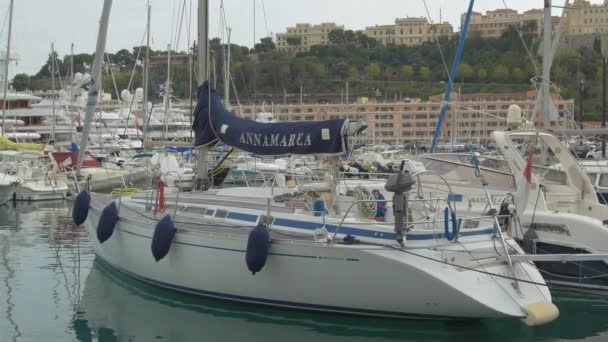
point(52, 289)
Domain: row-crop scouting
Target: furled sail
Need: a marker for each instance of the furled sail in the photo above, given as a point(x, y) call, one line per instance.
point(214, 123)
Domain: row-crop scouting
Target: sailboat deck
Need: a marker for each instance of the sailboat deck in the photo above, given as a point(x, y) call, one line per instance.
point(190, 221)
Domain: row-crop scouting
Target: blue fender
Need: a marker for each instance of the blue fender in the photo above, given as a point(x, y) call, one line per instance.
point(258, 245)
point(163, 237)
point(107, 222)
point(450, 235)
point(80, 210)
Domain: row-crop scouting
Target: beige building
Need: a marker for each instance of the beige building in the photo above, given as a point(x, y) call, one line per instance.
point(408, 31)
point(584, 17)
point(301, 37)
point(414, 121)
point(494, 23)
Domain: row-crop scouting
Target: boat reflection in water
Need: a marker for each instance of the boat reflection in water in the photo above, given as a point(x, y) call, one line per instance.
point(115, 307)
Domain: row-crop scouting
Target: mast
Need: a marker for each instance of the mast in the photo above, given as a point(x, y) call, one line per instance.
point(53, 90)
point(190, 67)
point(95, 81)
point(448, 92)
point(546, 65)
point(227, 73)
point(72, 88)
point(203, 45)
point(146, 78)
point(167, 91)
point(7, 59)
point(347, 99)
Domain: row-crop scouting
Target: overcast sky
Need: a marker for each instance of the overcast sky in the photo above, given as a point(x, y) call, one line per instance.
point(37, 23)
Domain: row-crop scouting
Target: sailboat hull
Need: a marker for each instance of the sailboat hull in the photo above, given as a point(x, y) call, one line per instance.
point(352, 279)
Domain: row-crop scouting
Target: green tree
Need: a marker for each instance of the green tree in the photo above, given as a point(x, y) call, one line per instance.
point(501, 73)
point(364, 41)
point(294, 41)
point(123, 58)
point(517, 74)
point(407, 71)
point(464, 71)
point(388, 72)
point(353, 72)
point(372, 71)
point(482, 74)
point(22, 82)
point(317, 70)
point(265, 45)
point(425, 73)
point(336, 37)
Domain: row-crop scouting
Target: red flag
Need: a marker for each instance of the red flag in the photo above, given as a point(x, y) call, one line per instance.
point(78, 119)
point(528, 167)
point(137, 127)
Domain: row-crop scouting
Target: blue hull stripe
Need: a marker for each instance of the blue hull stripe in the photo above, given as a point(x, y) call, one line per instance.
point(281, 303)
point(358, 232)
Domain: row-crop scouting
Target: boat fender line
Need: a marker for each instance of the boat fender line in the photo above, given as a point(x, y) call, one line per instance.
point(107, 222)
point(80, 210)
point(447, 217)
point(540, 313)
point(258, 245)
point(163, 237)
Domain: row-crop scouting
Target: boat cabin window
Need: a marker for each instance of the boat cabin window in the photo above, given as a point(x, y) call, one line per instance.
point(592, 177)
point(603, 180)
point(267, 220)
point(544, 161)
point(221, 213)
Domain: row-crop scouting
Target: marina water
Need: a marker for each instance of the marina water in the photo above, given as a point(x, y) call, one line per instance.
point(53, 289)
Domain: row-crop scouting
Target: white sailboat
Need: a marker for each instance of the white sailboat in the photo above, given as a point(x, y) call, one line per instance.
point(306, 253)
point(435, 277)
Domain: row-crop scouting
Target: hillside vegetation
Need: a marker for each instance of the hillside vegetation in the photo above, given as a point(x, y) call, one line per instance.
point(263, 74)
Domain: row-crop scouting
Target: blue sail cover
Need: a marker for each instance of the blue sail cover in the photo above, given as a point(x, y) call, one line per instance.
point(214, 123)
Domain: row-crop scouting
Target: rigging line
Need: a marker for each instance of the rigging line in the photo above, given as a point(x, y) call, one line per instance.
point(265, 20)
point(445, 66)
point(4, 22)
point(189, 26)
point(57, 71)
point(477, 111)
point(131, 80)
point(179, 30)
point(224, 17)
point(173, 16)
point(221, 24)
point(521, 37)
point(112, 76)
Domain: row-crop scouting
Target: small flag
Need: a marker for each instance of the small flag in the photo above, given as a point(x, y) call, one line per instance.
point(528, 167)
point(137, 127)
point(78, 119)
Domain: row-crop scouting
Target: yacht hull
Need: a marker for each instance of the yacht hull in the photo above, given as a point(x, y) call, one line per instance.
point(7, 191)
point(351, 279)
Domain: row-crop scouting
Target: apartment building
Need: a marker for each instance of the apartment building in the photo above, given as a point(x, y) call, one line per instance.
point(408, 31)
point(473, 119)
point(584, 17)
point(301, 37)
point(494, 23)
